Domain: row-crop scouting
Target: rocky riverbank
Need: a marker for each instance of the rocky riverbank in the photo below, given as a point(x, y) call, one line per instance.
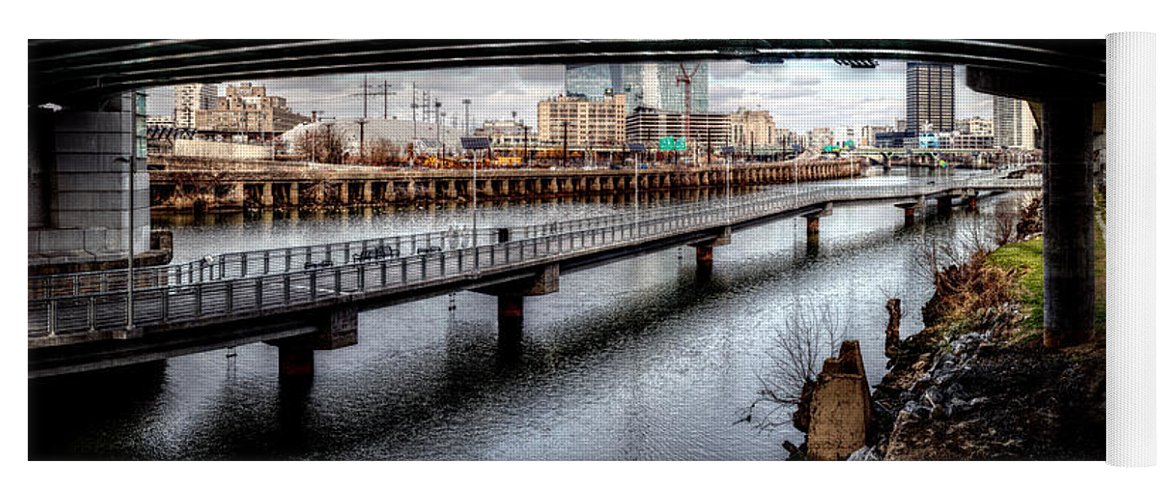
point(976, 382)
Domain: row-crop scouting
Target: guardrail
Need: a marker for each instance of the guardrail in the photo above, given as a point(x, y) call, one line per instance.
point(284, 286)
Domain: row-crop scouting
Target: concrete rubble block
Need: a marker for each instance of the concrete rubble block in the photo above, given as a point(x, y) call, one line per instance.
point(840, 411)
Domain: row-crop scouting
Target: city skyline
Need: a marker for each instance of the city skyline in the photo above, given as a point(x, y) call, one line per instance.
point(800, 94)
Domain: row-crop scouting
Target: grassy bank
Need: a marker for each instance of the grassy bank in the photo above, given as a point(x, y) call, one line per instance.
point(1028, 257)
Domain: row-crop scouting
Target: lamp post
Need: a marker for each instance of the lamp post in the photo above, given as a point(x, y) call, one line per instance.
point(130, 244)
point(636, 148)
point(475, 144)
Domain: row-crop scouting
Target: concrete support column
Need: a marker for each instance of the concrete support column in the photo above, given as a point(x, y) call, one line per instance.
point(812, 225)
point(367, 192)
point(510, 319)
point(703, 262)
point(943, 204)
point(266, 194)
point(294, 194)
point(1068, 223)
point(343, 195)
point(296, 360)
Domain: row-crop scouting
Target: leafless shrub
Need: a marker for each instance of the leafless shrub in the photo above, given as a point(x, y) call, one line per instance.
point(321, 144)
point(811, 334)
point(1030, 218)
point(1007, 213)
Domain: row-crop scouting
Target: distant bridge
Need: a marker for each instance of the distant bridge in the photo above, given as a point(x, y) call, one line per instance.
point(306, 298)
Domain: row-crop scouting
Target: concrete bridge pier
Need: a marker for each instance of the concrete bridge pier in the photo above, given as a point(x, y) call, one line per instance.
point(510, 309)
point(367, 192)
point(294, 194)
point(266, 194)
point(1068, 223)
point(705, 255)
point(1065, 107)
point(703, 262)
point(972, 202)
point(336, 329)
point(909, 212)
point(943, 204)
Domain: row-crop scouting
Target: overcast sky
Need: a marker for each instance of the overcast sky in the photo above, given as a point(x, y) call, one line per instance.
point(800, 94)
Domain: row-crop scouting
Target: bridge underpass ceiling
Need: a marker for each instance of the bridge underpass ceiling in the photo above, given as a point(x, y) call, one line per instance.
point(65, 70)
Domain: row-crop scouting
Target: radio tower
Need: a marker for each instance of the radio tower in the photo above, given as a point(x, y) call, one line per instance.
point(685, 78)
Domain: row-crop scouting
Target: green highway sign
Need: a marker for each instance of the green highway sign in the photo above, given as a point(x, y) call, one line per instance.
point(672, 143)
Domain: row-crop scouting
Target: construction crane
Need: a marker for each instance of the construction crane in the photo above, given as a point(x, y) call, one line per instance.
point(685, 78)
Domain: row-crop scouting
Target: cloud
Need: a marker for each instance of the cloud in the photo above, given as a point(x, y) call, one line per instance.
point(800, 94)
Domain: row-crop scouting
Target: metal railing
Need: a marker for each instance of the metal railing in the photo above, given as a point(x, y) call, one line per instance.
point(286, 284)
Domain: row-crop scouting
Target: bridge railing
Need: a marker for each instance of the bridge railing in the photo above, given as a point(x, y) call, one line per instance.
point(235, 295)
point(281, 260)
point(252, 262)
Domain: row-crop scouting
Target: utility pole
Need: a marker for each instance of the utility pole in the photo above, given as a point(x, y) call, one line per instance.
point(362, 122)
point(438, 135)
point(385, 98)
point(414, 115)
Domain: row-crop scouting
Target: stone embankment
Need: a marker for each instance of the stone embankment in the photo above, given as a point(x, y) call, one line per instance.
point(201, 184)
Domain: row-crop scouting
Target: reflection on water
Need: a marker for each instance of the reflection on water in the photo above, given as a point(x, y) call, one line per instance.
point(631, 361)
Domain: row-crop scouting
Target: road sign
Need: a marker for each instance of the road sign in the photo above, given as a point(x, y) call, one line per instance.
point(672, 143)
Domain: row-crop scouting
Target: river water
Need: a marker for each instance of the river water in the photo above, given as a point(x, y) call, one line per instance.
point(629, 361)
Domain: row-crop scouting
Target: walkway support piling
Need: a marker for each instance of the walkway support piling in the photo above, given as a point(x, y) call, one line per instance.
point(510, 302)
point(1064, 105)
point(703, 262)
point(943, 204)
point(1068, 224)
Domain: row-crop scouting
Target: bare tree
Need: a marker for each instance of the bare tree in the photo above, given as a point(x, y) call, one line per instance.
point(1006, 220)
point(321, 144)
point(811, 334)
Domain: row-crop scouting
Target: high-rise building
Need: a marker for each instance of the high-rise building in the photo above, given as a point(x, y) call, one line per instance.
point(930, 97)
point(656, 86)
point(583, 123)
point(593, 81)
point(648, 85)
point(248, 109)
point(191, 98)
point(647, 126)
point(753, 128)
point(1013, 123)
